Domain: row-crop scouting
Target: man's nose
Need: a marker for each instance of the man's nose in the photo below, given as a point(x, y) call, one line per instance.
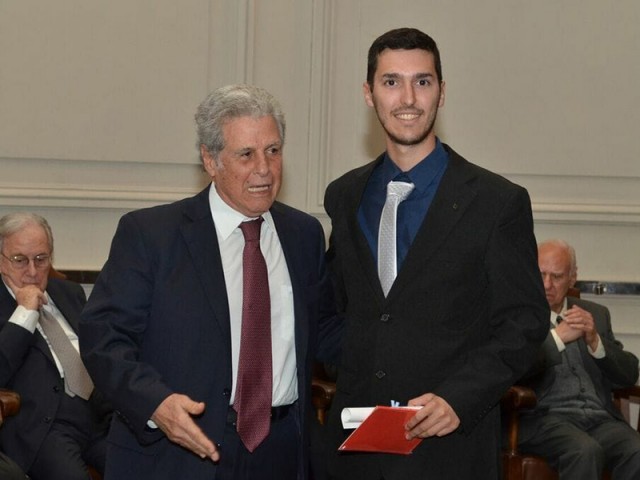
point(262, 164)
point(31, 267)
point(408, 94)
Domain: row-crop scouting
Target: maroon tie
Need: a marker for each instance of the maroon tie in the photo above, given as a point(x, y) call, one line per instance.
point(254, 384)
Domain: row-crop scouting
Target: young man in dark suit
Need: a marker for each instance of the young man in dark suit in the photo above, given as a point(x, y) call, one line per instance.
point(59, 430)
point(163, 332)
point(456, 314)
point(575, 425)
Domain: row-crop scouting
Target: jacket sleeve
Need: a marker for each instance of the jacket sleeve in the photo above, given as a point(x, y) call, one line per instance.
point(112, 330)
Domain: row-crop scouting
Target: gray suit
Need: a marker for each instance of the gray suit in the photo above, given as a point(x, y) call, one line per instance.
point(579, 444)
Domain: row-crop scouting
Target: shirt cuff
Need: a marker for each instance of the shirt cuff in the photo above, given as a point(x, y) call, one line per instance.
point(559, 343)
point(599, 352)
point(27, 319)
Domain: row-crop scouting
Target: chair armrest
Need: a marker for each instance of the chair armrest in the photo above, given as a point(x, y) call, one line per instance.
point(623, 397)
point(627, 392)
point(518, 398)
point(9, 403)
point(515, 399)
point(322, 393)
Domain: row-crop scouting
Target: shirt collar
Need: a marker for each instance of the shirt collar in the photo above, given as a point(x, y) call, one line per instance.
point(554, 315)
point(226, 219)
point(423, 174)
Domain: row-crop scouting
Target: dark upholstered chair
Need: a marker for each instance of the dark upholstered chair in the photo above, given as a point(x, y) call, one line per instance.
point(322, 391)
point(523, 466)
point(9, 404)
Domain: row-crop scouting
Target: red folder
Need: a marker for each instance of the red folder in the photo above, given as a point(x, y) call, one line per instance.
point(383, 432)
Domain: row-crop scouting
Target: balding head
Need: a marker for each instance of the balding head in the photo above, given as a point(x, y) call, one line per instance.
point(557, 263)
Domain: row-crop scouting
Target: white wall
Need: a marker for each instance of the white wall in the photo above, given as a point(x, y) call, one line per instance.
point(97, 101)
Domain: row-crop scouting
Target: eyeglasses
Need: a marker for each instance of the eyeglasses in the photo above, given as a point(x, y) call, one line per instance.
point(20, 262)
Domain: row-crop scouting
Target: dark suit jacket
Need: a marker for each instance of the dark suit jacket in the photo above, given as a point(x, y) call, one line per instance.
point(157, 323)
point(27, 366)
point(616, 370)
point(463, 319)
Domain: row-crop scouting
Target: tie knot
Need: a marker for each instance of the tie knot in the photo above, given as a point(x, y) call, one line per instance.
point(401, 190)
point(251, 229)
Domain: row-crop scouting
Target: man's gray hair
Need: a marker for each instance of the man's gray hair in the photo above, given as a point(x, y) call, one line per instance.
point(229, 102)
point(14, 222)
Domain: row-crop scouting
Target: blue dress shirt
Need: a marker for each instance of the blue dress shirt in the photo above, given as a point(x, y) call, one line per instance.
point(426, 177)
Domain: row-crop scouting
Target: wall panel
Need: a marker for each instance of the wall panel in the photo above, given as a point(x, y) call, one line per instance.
point(97, 102)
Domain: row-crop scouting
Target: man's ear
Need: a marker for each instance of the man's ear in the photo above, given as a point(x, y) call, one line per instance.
point(574, 278)
point(368, 94)
point(442, 92)
point(208, 162)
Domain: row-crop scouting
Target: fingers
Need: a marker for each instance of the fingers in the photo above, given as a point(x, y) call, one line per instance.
point(580, 319)
point(567, 332)
point(174, 417)
point(29, 296)
point(435, 418)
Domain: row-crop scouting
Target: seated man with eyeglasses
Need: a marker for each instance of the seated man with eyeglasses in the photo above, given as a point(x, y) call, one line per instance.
point(63, 421)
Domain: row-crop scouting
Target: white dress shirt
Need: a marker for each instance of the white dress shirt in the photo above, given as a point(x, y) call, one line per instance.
point(231, 242)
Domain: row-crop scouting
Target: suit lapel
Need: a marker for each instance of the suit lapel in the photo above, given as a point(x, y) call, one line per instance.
point(363, 253)
point(449, 205)
point(590, 366)
point(200, 237)
point(7, 303)
point(54, 290)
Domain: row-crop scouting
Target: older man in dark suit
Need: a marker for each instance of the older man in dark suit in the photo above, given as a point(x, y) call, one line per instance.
point(165, 328)
point(575, 425)
point(443, 300)
point(62, 423)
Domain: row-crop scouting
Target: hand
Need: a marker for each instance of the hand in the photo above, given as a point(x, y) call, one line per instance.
point(173, 417)
point(29, 296)
point(435, 418)
point(582, 321)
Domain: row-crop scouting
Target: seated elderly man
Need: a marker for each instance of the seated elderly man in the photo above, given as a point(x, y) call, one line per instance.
point(62, 423)
point(575, 425)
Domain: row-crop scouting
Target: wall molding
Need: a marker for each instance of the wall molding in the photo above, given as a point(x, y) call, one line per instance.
point(130, 185)
point(580, 214)
point(320, 106)
point(88, 197)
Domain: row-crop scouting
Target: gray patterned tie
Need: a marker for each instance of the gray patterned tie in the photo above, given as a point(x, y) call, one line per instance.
point(387, 251)
point(76, 378)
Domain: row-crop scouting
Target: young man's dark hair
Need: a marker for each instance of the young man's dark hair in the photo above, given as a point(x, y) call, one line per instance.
point(402, 39)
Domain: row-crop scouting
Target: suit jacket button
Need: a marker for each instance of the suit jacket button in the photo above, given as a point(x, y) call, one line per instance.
point(226, 392)
point(380, 374)
point(385, 317)
point(47, 419)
